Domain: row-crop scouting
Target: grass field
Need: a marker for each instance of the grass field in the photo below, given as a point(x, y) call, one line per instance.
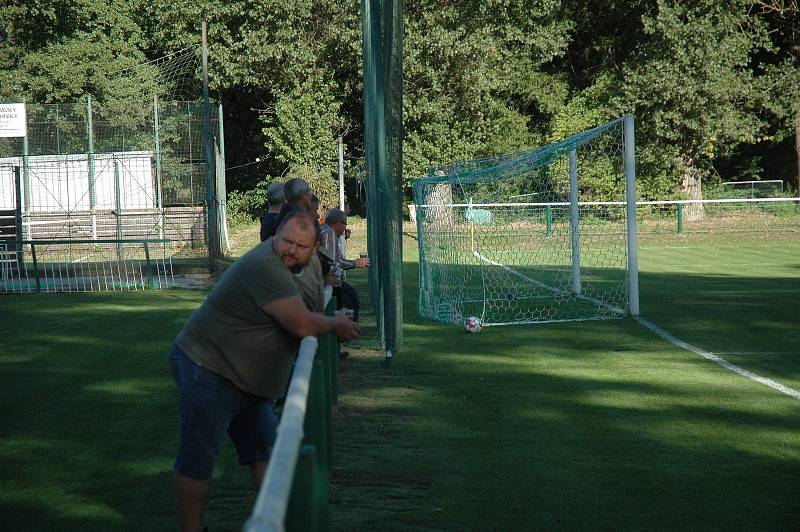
point(593, 425)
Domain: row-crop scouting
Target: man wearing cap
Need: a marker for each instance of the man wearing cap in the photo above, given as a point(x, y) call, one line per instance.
point(298, 198)
point(276, 199)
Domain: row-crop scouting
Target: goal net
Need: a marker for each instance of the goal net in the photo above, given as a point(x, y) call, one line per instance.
point(545, 235)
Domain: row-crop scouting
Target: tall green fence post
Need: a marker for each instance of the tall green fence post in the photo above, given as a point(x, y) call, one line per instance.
point(90, 156)
point(680, 218)
point(549, 219)
point(382, 27)
point(118, 207)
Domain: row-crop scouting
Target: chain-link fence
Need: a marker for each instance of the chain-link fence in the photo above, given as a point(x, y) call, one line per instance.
point(93, 172)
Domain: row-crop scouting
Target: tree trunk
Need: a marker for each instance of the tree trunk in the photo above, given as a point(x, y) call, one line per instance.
point(692, 187)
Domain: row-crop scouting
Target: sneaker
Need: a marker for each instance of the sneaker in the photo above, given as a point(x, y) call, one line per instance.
point(343, 355)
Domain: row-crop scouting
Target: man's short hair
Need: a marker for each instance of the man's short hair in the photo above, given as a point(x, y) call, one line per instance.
point(335, 215)
point(295, 188)
point(275, 193)
point(304, 218)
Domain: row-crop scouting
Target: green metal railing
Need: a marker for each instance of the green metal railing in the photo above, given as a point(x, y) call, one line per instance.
point(35, 272)
point(294, 493)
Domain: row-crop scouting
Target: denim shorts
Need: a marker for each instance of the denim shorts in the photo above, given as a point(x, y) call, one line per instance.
point(210, 406)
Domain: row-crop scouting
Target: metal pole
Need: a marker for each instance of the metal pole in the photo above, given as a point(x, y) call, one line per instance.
point(35, 267)
point(211, 233)
point(342, 242)
point(159, 190)
point(222, 192)
point(341, 173)
point(574, 224)
point(18, 219)
point(630, 196)
point(191, 150)
point(118, 207)
point(90, 156)
point(149, 264)
point(26, 175)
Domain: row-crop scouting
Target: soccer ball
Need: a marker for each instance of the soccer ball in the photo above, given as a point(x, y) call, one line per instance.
point(473, 325)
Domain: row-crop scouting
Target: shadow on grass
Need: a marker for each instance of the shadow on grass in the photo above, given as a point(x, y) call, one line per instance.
point(89, 423)
point(594, 425)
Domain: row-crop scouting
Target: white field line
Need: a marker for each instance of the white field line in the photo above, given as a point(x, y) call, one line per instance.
point(547, 287)
point(537, 322)
point(750, 353)
point(791, 392)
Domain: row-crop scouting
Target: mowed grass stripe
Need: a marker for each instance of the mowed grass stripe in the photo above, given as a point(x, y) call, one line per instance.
point(734, 302)
point(90, 420)
point(598, 425)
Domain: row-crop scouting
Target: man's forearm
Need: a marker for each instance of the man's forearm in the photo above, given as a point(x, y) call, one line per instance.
point(317, 324)
point(346, 264)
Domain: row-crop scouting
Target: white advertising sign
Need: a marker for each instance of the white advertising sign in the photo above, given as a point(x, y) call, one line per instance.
point(13, 121)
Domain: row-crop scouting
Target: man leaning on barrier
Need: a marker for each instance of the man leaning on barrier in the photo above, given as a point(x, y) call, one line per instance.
point(235, 354)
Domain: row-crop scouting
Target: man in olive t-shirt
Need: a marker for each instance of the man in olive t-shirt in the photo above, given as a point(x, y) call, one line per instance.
point(235, 353)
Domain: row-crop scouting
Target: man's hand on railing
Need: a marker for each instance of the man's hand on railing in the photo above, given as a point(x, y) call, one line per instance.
point(344, 327)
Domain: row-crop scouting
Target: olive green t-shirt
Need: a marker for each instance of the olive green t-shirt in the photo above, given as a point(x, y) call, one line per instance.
point(231, 334)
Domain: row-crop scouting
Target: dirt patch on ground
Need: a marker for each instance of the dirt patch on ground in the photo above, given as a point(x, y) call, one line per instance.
point(194, 281)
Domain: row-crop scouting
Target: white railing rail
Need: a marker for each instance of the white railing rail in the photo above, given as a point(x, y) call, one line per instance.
point(269, 511)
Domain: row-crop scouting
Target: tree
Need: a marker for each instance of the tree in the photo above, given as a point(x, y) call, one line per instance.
point(58, 50)
point(781, 80)
point(694, 78)
point(473, 78)
point(294, 63)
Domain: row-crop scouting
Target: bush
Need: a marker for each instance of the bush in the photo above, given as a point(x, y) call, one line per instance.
point(246, 207)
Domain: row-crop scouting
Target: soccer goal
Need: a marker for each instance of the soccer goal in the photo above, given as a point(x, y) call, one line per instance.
point(546, 235)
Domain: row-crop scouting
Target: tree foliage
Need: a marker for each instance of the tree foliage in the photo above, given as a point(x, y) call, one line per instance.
point(714, 85)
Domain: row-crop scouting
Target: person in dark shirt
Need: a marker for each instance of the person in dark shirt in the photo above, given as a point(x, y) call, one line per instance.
point(234, 356)
point(276, 199)
point(298, 198)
